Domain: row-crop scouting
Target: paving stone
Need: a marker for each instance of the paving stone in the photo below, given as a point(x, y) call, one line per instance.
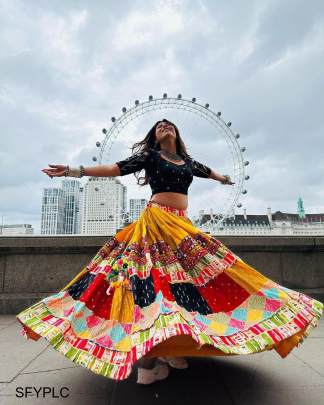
point(50, 359)
point(318, 331)
point(73, 400)
point(279, 396)
point(6, 320)
point(16, 352)
point(270, 371)
point(311, 352)
point(80, 382)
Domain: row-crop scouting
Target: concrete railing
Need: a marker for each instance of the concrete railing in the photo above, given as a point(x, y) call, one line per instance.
point(33, 267)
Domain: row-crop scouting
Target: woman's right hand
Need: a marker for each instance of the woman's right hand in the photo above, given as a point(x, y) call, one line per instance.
point(149, 263)
point(54, 170)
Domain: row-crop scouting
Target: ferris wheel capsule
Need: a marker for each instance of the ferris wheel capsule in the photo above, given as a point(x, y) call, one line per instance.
point(150, 98)
point(104, 130)
point(179, 96)
point(98, 144)
point(124, 109)
point(193, 99)
point(94, 158)
point(237, 136)
point(243, 149)
point(206, 105)
point(229, 123)
point(113, 119)
point(165, 95)
point(239, 205)
point(246, 163)
point(246, 177)
point(219, 113)
point(244, 191)
point(136, 102)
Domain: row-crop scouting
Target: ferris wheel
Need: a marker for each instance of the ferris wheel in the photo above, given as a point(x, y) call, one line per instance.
point(238, 163)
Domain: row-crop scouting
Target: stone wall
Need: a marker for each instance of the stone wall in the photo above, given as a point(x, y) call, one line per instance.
point(33, 267)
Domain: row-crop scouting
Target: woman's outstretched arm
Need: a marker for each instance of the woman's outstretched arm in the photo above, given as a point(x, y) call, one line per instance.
point(216, 176)
point(201, 170)
point(111, 170)
point(219, 177)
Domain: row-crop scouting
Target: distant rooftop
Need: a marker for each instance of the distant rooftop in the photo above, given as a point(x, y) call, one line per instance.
point(16, 226)
point(285, 216)
point(240, 220)
point(261, 219)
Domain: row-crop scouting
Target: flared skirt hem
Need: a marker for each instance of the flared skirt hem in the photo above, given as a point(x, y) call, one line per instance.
point(177, 339)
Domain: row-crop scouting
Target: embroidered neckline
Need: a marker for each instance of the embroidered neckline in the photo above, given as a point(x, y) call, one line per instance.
point(169, 161)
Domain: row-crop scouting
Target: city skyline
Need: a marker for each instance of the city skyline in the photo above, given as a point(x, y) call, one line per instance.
point(72, 204)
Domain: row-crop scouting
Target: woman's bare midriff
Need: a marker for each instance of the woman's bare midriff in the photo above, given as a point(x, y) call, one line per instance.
point(176, 200)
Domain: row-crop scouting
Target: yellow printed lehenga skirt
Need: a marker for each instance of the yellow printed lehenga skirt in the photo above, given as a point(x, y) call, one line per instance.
point(162, 287)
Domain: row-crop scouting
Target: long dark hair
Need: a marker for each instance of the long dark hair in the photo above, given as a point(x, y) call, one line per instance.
point(149, 142)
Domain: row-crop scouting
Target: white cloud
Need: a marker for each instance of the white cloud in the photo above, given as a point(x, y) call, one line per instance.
point(155, 27)
point(66, 69)
point(60, 40)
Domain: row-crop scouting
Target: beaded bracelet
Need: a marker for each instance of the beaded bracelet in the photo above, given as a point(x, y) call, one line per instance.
point(227, 179)
point(74, 171)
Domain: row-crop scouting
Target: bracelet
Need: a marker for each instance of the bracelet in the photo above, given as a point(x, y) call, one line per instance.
point(227, 179)
point(74, 171)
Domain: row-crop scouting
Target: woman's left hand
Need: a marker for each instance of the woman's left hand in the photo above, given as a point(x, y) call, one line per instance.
point(227, 180)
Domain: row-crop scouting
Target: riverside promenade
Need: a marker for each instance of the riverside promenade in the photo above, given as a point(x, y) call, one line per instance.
point(258, 379)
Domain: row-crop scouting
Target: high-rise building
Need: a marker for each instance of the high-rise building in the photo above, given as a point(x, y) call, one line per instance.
point(71, 190)
point(52, 219)
point(103, 204)
point(16, 229)
point(136, 206)
point(79, 216)
point(60, 208)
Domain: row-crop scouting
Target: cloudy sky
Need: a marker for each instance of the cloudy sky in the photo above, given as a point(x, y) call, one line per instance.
point(67, 67)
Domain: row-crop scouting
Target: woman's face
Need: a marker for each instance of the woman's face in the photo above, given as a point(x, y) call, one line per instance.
point(164, 130)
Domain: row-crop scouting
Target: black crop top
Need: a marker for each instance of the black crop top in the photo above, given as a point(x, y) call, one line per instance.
point(164, 175)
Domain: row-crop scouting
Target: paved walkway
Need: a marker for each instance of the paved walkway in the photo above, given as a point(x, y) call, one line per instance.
point(262, 378)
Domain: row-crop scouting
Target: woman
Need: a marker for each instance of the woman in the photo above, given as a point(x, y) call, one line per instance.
point(161, 288)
